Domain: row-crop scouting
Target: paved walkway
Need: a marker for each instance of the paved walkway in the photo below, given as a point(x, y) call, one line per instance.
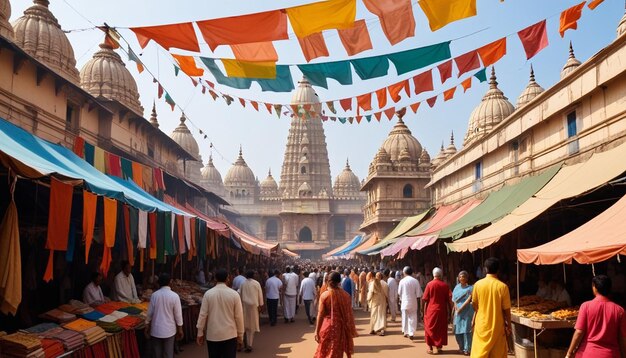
point(296, 340)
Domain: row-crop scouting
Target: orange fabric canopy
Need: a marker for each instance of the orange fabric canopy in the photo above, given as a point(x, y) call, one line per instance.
point(181, 36)
point(598, 240)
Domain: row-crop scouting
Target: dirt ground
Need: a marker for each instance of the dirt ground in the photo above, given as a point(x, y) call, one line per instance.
point(296, 340)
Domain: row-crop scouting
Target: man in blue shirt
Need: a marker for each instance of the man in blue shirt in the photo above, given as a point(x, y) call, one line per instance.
point(347, 284)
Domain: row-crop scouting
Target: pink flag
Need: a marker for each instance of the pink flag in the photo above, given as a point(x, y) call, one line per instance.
point(534, 38)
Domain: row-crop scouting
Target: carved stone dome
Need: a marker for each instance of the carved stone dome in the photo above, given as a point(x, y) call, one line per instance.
point(347, 184)
point(6, 30)
point(493, 109)
point(571, 64)
point(400, 138)
point(531, 91)
point(269, 185)
point(182, 135)
point(424, 157)
point(105, 75)
point(305, 95)
point(382, 156)
point(240, 175)
point(440, 157)
point(39, 34)
point(211, 176)
point(621, 28)
point(451, 149)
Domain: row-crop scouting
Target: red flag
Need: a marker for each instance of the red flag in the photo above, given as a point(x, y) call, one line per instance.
point(415, 106)
point(424, 82)
point(210, 84)
point(594, 4)
point(381, 96)
point(389, 112)
point(195, 83)
point(243, 102)
point(445, 70)
point(160, 91)
point(213, 94)
point(346, 104)
point(449, 94)
point(358, 119)
point(431, 101)
point(269, 107)
point(394, 90)
point(203, 90)
point(467, 84)
point(534, 38)
point(255, 105)
point(467, 62)
point(570, 17)
point(364, 101)
point(378, 115)
point(492, 52)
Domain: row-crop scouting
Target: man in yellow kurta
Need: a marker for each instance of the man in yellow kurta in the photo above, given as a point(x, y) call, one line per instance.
point(252, 301)
point(492, 317)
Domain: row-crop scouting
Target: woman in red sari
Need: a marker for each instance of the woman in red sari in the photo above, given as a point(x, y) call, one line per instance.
point(437, 300)
point(335, 329)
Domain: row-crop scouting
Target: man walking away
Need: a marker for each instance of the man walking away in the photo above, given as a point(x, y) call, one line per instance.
point(393, 294)
point(307, 294)
point(410, 292)
point(164, 321)
point(291, 294)
point(347, 284)
point(252, 299)
point(492, 314)
point(273, 286)
point(221, 319)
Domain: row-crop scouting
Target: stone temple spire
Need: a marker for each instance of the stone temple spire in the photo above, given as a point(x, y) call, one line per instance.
point(153, 117)
point(306, 154)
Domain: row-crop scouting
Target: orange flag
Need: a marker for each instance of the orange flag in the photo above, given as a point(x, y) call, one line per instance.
point(269, 107)
point(255, 105)
point(90, 202)
point(396, 18)
point(313, 46)
point(259, 27)
point(365, 101)
point(423, 82)
point(445, 70)
point(570, 17)
point(110, 224)
point(59, 212)
point(381, 96)
point(346, 104)
point(440, 13)
point(389, 112)
point(182, 36)
point(467, 83)
point(378, 115)
point(431, 101)
point(492, 52)
point(356, 39)
point(394, 90)
point(449, 94)
point(188, 65)
point(256, 51)
point(415, 106)
point(594, 4)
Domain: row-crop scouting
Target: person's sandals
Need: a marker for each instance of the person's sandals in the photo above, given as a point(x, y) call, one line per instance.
point(381, 333)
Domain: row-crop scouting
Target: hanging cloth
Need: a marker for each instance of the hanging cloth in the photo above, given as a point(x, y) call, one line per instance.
point(423, 82)
point(364, 101)
point(449, 94)
point(371, 67)
point(90, 203)
point(130, 251)
point(282, 83)
point(569, 18)
point(445, 71)
point(411, 60)
point(356, 39)
point(238, 83)
point(467, 62)
point(99, 160)
point(153, 222)
point(182, 36)
point(180, 232)
point(79, 146)
point(396, 18)
point(188, 65)
point(492, 52)
point(90, 154)
point(324, 15)
point(242, 69)
point(110, 226)
point(313, 46)
point(137, 171)
point(59, 213)
point(255, 52)
point(441, 13)
point(317, 73)
point(381, 97)
point(534, 38)
point(142, 229)
point(127, 169)
point(394, 90)
point(10, 259)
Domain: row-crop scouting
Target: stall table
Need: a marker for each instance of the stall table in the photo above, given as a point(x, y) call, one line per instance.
point(539, 326)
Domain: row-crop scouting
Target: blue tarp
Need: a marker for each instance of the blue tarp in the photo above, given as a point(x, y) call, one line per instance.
point(353, 245)
point(23, 152)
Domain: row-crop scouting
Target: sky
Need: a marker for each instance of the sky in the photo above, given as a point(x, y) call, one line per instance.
point(263, 136)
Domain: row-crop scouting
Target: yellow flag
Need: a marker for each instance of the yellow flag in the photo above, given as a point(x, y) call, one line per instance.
point(244, 69)
point(324, 15)
point(440, 13)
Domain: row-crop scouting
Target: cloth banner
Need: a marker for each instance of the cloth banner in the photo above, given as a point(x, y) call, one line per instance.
point(356, 39)
point(534, 38)
point(324, 15)
point(59, 213)
point(396, 18)
point(181, 36)
point(313, 46)
point(441, 13)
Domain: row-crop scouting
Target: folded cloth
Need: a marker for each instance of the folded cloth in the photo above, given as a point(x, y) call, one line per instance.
point(79, 325)
point(109, 327)
point(94, 335)
point(40, 328)
point(108, 318)
point(93, 315)
point(59, 316)
point(129, 322)
point(71, 339)
point(20, 341)
point(132, 310)
point(52, 348)
point(51, 333)
point(118, 314)
point(109, 307)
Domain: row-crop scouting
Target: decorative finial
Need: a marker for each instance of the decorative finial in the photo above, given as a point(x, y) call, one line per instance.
point(269, 172)
point(42, 2)
point(571, 50)
point(153, 117)
point(493, 83)
point(400, 113)
point(532, 73)
point(211, 159)
point(347, 163)
point(240, 151)
point(182, 118)
point(442, 146)
point(452, 138)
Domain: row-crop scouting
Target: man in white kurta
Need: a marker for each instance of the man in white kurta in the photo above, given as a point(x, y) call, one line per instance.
point(393, 295)
point(252, 300)
point(291, 294)
point(410, 292)
point(125, 290)
point(92, 294)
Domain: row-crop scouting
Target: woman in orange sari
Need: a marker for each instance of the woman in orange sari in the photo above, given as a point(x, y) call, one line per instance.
point(335, 329)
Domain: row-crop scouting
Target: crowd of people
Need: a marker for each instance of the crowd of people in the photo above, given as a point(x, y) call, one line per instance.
point(480, 314)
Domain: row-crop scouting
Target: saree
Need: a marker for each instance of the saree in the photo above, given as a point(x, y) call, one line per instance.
point(338, 329)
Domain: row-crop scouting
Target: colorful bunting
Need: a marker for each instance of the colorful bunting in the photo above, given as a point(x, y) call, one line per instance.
point(481, 75)
point(445, 71)
point(441, 13)
point(242, 102)
point(569, 18)
point(356, 39)
point(368, 117)
point(255, 105)
point(176, 70)
point(325, 15)
point(133, 57)
point(282, 83)
point(260, 27)
point(242, 69)
point(396, 18)
point(467, 62)
point(313, 46)
point(331, 107)
point(238, 83)
point(415, 106)
point(378, 115)
point(467, 84)
point(169, 100)
point(389, 112)
point(364, 101)
point(381, 96)
point(346, 104)
point(492, 52)
point(317, 73)
point(534, 38)
point(431, 101)
point(256, 51)
point(410, 60)
point(277, 109)
point(394, 90)
point(423, 82)
point(594, 4)
point(268, 106)
point(181, 36)
point(371, 67)
point(188, 65)
point(449, 94)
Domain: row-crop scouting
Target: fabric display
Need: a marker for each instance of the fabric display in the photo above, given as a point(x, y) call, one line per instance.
point(130, 322)
point(21, 345)
point(109, 327)
point(56, 315)
point(132, 310)
point(41, 328)
point(93, 316)
point(52, 348)
point(79, 325)
point(112, 306)
point(94, 335)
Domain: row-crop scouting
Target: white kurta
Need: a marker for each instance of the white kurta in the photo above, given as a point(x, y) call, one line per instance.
point(392, 302)
point(252, 299)
point(409, 291)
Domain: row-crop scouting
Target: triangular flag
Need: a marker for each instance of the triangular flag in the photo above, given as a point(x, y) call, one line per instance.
point(415, 106)
point(176, 70)
point(133, 57)
point(594, 4)
point(213, 94)
point(346, 104)
point(481, 75)
point(378, 115)
point(534, 38)
point(467, 83)
point(394, 90)
point(342, 120)
point(211, 84)
point(431, 101)
point(269, 107)
point(228, 99)
point(381, 96)
point(242, 102)
point(324, 118)
point(295, 109)
point(364, 101)
point(570, 17)
point(368, 117)
point(467, 62)
point(195, 83)
point(350, 120)
point(160, 91)
point(331, 107)
point(445, 70)
point(169, 100)
point(277, 109)
point(389, 112)
point(449, 94)
point(492, 52)
point(203, 90)
point(424, 82)
point(255, 105)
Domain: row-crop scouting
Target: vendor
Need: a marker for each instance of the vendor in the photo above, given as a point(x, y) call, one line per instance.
point(92, 294)
point(125, 290)
point(559, 294)
point(544, 290)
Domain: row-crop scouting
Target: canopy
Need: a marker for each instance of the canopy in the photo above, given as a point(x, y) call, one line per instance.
point(290, 253)
point(570, 181)
point(421, 237)
point(353, 245)
point(299, 246)
point(33, 157)
point(499, 203)
point(599, 239)
point(248, 242)
point(402, 228)
point(337, 249)
point(366, 243)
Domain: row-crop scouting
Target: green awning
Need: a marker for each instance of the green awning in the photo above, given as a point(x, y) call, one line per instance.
point(402, 228)
point(499, 203)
